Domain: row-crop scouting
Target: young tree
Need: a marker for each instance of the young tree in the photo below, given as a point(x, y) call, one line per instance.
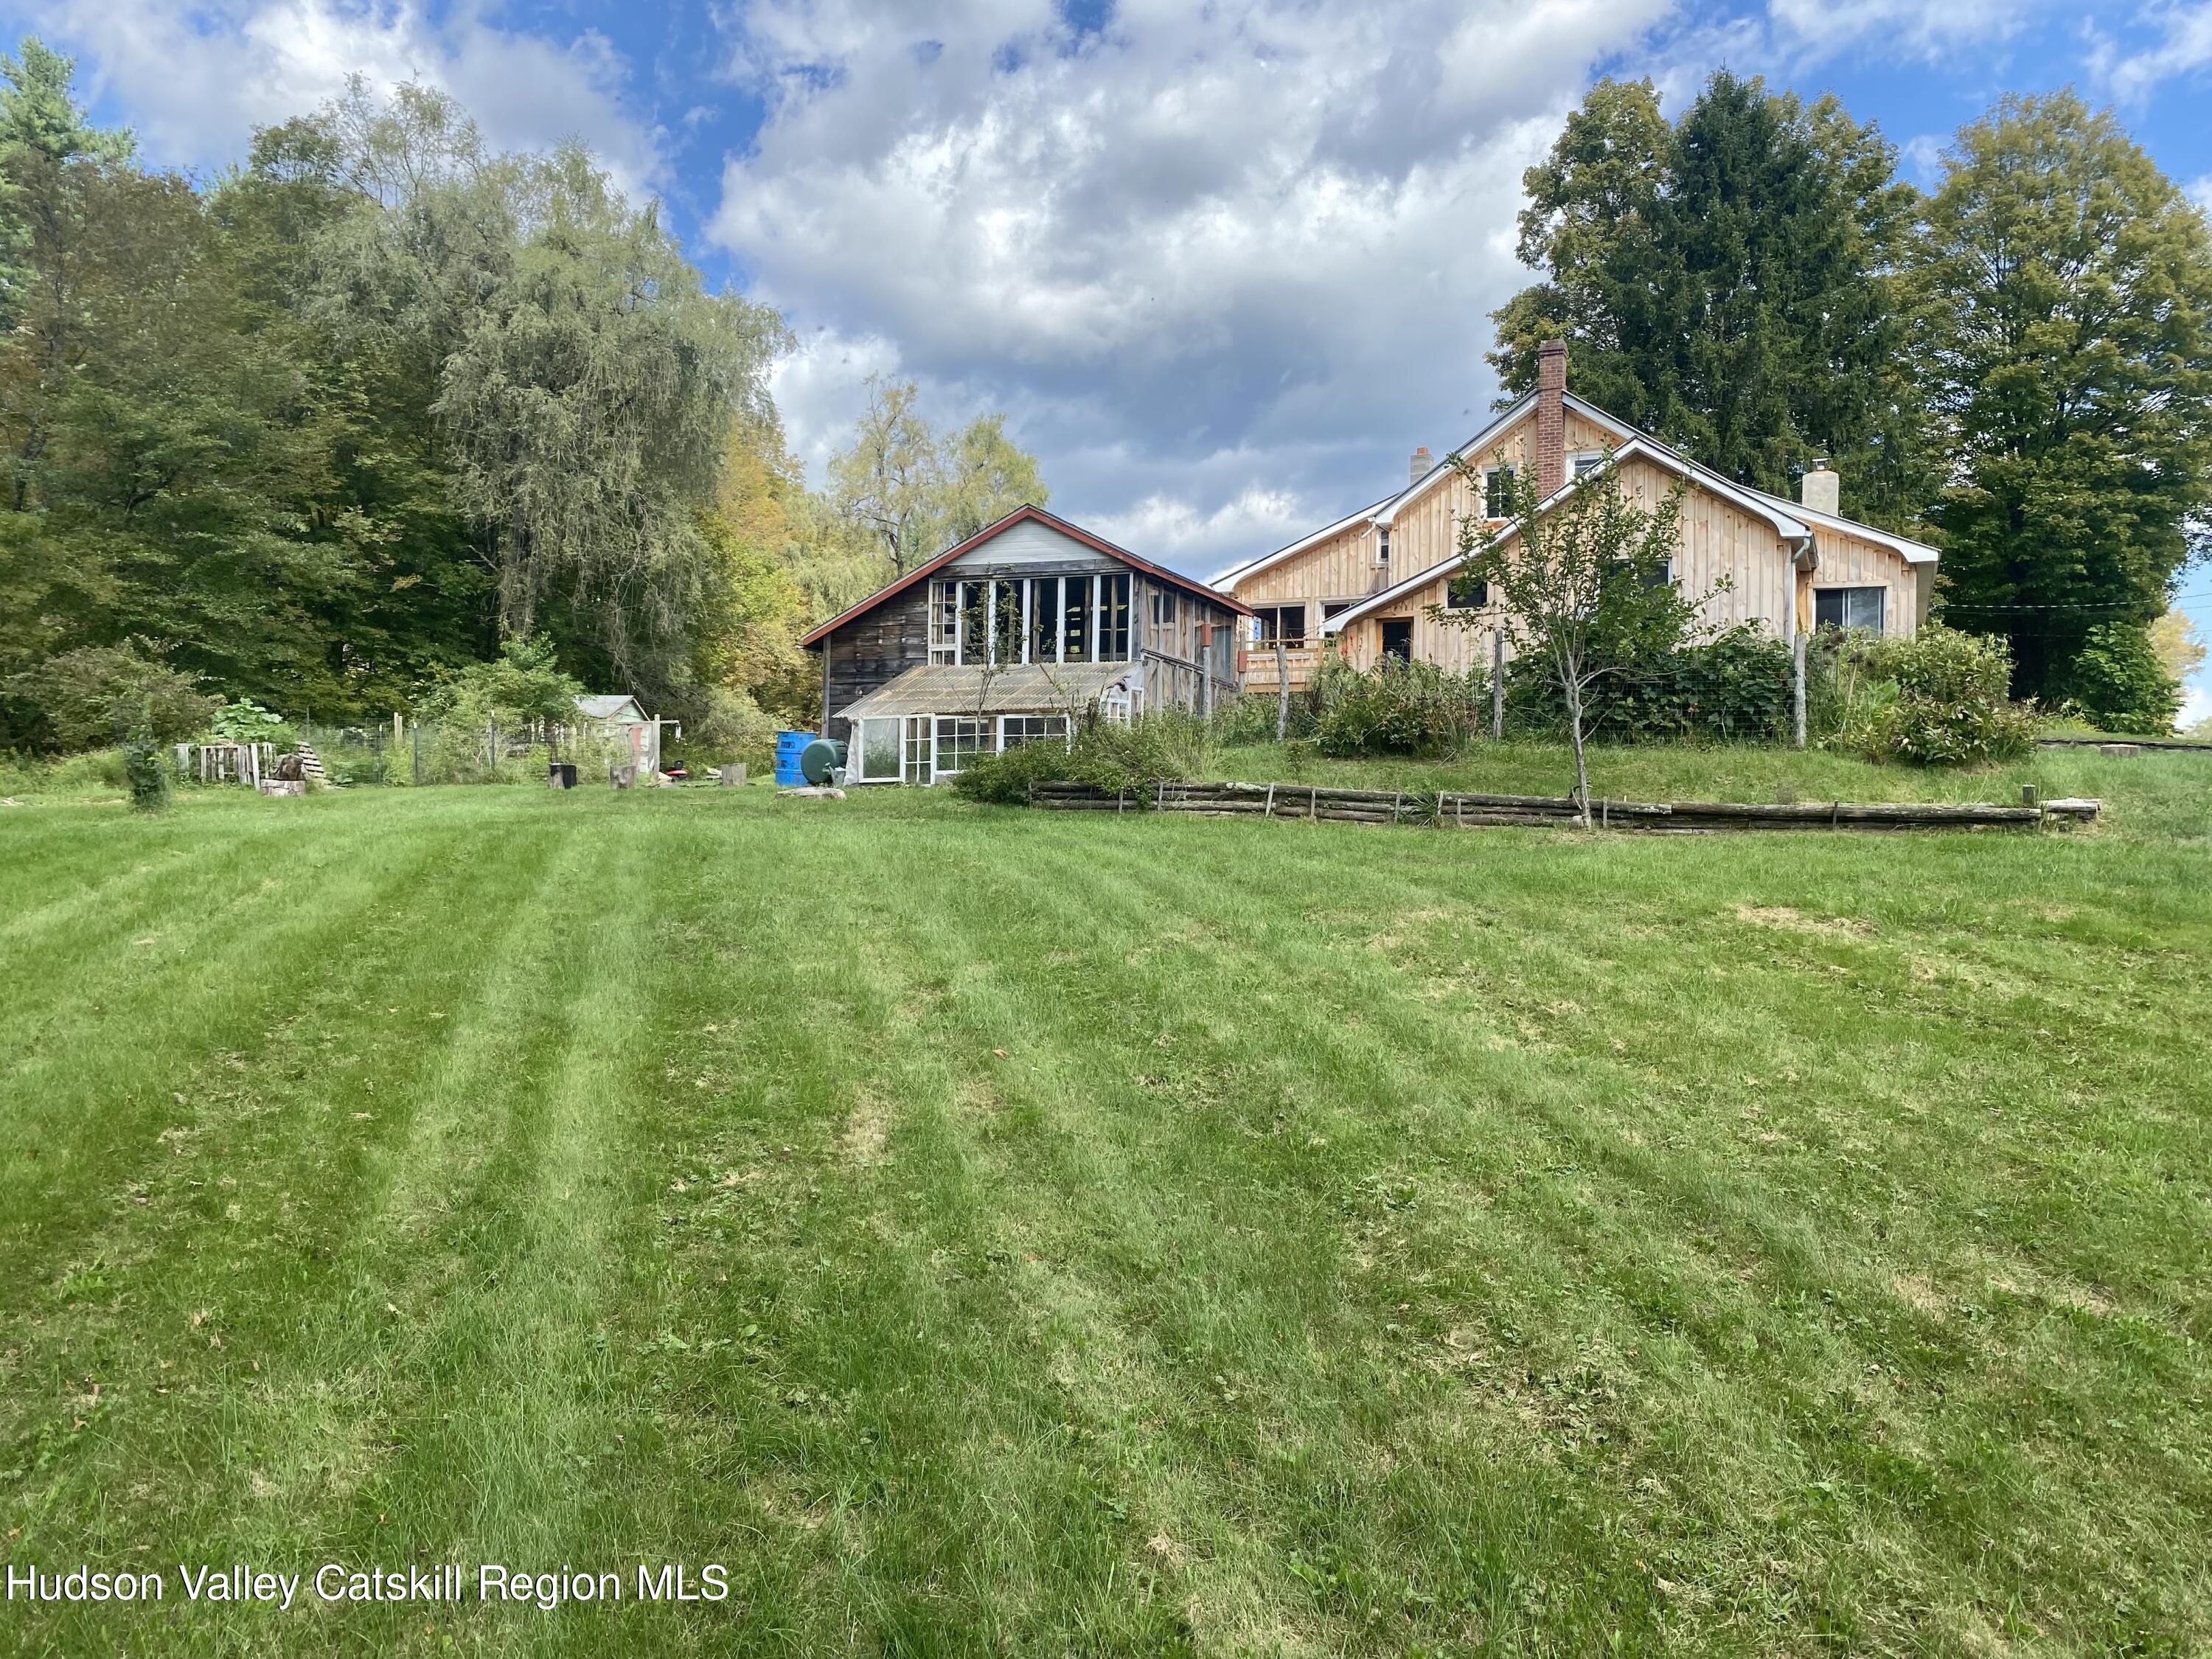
point(2072, 367)
point(1582, 587)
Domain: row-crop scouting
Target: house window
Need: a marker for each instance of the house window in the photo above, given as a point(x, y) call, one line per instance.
point(1466, 593)
point(945, 622)
point(1848, 607)
point(1075, 619)
point(1114, 618)
point(1588, 459)
point(1162, 606)
point(960, 739)
point(1498, 492)
point(1015, 730)
point(1044, 619)
point(1329, 612)
point(1285, 624)
point(1383, 544)
point(878, 750)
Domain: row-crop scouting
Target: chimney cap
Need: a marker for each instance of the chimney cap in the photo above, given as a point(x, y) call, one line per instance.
point(1551, 349)
point(1818, 463)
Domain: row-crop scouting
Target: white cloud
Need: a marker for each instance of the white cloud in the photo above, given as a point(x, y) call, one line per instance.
point(2181, 46)
point(2199, 191)
point(1811, 30)
point(197, 80)
point(1172, 530)
point(1238, 253)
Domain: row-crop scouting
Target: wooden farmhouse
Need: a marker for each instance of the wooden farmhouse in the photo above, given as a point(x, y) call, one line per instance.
point(1017, 634)
point(1366, 584)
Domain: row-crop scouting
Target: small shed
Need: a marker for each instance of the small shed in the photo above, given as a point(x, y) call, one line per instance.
point(618, 717)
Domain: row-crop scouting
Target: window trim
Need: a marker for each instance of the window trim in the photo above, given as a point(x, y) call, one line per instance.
point(1488, 517)
point(1881, 591)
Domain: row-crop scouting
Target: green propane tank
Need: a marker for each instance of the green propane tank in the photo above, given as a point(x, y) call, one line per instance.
point(820, 758)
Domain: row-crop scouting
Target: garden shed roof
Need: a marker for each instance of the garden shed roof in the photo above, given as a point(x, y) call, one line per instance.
point(1026, 688)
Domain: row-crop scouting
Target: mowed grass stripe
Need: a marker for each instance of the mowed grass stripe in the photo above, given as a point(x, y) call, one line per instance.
point(200, 1322)
point(137, 1046)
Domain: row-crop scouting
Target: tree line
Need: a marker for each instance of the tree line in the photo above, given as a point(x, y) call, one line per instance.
point(2016, 365)
point(325, 430)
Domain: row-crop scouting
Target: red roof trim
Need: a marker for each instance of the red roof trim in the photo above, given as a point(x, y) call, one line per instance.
point(1074, 532)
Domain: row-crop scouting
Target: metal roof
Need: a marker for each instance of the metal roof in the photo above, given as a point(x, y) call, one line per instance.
point(1026, 514)
point(605, 705)
point(1025, 688)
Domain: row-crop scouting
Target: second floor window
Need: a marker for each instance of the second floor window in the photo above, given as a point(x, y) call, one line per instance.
point(1498, 492)
point(1030, 619)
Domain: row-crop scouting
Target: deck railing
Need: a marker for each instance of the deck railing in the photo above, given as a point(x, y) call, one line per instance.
point(1301, 662)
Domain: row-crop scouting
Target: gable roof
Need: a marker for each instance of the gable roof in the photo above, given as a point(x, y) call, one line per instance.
point(1775, 511)
point(1023, 515)
point(1386, 511)
point(605, 705)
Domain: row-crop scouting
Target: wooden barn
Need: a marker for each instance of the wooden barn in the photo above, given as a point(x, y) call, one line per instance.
point(1017, 634)
point(1366, 584)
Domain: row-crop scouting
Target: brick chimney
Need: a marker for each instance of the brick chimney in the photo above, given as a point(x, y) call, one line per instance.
point(1820, 489)
point(1422, 464)
point(1551, 418)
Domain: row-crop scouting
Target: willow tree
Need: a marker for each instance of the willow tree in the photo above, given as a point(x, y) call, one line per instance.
point(587, 378)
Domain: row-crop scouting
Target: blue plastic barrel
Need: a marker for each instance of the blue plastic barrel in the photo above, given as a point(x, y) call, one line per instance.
point(789, 747)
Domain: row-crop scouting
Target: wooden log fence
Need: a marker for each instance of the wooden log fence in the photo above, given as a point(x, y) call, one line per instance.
point(1455, 809)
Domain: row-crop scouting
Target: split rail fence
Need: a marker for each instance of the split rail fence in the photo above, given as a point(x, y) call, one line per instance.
point(1452, 809)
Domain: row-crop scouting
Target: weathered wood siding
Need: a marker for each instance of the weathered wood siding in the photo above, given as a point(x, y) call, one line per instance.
point(872, 649)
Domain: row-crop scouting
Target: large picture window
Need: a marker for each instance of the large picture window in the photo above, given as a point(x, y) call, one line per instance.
point(1283, 622)
point(1075, 618)
point(1848, 607)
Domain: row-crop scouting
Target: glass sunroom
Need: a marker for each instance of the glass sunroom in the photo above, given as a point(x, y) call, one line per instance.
point(930, 722)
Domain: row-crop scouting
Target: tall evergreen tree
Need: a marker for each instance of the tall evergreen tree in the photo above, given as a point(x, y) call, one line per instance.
point(1730, 283)
point(2072, 367)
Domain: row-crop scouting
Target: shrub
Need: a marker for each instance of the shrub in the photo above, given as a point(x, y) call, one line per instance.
point(1733, 688)
point(146, 764)
point(1117, 755)
point(247, 721)
point(98, 694)
point(1953, 706)
point(2117, 682)
point(1396, 707)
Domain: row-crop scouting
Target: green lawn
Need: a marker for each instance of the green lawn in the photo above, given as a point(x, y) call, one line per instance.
point(1043, 1233)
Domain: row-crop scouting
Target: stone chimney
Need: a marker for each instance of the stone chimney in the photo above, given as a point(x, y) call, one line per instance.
point(1551, 418)
point(1820, 489)
point(1422, 464)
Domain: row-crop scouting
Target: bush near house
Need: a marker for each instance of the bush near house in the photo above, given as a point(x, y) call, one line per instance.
point(2117, 682)
point(1953, 703)
point(1167, 746)
point(1732, 689)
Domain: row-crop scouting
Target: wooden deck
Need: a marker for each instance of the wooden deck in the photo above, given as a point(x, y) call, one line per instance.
point(1300, 664)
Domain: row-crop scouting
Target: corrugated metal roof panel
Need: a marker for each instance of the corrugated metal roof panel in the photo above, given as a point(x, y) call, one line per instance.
point(944, 689)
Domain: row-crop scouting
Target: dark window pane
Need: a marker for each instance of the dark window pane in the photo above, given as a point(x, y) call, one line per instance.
point(1114, 618)
point(1498, 492)
point(1044, 616)
point(1466, 594)
point(1075, 619)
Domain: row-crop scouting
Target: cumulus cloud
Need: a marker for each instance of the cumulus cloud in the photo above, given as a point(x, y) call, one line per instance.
point(1245, 250)
point(1812, 30)
point(196, 80)
point(2178, 44)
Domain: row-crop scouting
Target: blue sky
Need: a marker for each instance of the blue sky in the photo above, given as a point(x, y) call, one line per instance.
point(1224, 265)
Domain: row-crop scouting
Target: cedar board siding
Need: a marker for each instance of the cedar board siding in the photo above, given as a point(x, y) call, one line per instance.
point(1718, 538)
point(1426, 533)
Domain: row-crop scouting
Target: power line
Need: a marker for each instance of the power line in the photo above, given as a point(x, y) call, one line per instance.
point(2117, 604)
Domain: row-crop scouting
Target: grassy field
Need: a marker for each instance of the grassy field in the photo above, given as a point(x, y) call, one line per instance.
point(994, 1232)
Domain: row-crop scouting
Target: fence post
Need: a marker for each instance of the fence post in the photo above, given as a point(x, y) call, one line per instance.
point(1282, 690)
point(1496, 685)
point(416, 733)
point(1797, 688)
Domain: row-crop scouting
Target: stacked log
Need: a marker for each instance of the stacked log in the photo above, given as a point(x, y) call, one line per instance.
point(1453, 809)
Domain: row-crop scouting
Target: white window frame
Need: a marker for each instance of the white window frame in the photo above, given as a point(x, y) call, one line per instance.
point(1581, 461)
point(1066, 733)
point(983, 738)
point(858, 751)
point(1488, 517)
